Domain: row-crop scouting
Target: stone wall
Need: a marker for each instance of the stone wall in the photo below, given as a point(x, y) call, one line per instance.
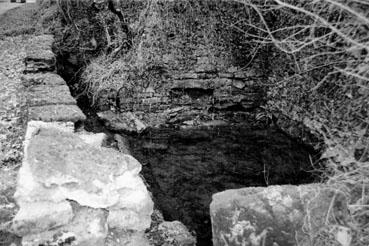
point(71, 189)
point(286, 215)
point(188, 54)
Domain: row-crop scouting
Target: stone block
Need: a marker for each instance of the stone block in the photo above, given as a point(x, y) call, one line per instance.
point(46, 79)
point(94, 139)
point(60, 166)
point(37, 217)
point(189, 75)
point(124, 122)
point(238, 84)
point(226, 75)
point(274, 215)
point(39, 56)
point(41, 42)
point(128, 220)
point(40, 61)
point(176, 232)
point(193, 84)
point(62, 112)
point(127, 238)
point(88, 228)
point(222, 83)
point(43, 95)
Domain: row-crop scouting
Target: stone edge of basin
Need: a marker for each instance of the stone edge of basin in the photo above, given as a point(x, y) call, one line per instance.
point(49, 109)
point(279, 215)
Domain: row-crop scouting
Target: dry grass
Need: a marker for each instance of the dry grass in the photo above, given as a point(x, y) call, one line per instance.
point(323, 82)
point(319, 76)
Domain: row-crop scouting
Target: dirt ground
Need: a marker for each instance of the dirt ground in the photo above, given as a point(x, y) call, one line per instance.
point(6, 5)
point(12, 125)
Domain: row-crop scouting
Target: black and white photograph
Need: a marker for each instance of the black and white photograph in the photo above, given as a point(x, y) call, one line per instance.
point(184, 122)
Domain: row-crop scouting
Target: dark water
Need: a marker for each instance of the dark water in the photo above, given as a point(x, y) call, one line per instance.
point(185, 167)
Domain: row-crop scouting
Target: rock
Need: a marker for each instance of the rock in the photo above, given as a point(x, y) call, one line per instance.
point(215, 123)
point(60, 166)
point(226, 75)
point(40, 61)
point(238, 84)
point(34, 126)
point(122, 144)
point(273, 215)
point(44, 95)
point(125, 122)
point(41, 216)
point(41, 42)
point(126, 238)
point(39, 56)
point(189, 75)
point(48, 113)
point(154, 146)
point(88, 228)
point(95, 139)
point(46, 79)
point(192, 84)
point(176, 234)
point(128, 219)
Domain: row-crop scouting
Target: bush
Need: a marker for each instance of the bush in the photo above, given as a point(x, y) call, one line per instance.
point(322, 80)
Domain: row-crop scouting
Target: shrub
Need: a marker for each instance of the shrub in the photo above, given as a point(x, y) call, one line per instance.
point(322, 80)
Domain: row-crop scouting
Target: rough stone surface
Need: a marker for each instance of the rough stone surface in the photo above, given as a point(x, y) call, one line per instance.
point(42, 61)
point(176, 232)
point(274, 215)
point(122, 144)
point(127, 238)
point(88, 228)
point(124, 122)
point(185, 167)
point(42, 95)
point(37, 217)
point(94, 139)
point(47, 79)
point(59, 166)
point(48, 96)
point(206, 75)
point(49, 113)
point(39, 56)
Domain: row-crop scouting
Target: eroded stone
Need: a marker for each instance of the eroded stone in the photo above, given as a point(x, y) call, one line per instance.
point(176, 232)
point(46, 79)
point(94, 139)
point(44, 95)
point(126, 122)
point(88, 228)
point(37, 217)
point(60, 166)
point(126, 238)
point(274, 215)
point(49, 113)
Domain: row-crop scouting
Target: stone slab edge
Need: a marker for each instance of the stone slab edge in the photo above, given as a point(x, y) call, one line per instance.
point(48, 106)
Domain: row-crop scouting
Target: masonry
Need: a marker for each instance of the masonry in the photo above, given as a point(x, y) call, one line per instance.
point(191, 107)
point(70, 188)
